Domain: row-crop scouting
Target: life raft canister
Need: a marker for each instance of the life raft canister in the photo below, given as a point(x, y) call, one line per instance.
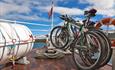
point(15, 40)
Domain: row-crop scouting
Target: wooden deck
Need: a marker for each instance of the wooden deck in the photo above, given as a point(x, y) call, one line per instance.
point(65, 63)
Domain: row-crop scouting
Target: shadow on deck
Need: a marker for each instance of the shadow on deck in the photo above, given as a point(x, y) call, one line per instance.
point(65, 63)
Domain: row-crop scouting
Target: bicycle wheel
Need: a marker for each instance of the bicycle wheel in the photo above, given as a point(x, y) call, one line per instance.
point(59, 37)
point(87, 55)
point(107, 48)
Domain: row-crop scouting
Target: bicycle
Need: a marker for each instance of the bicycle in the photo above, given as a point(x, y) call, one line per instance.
point(69, 36)
point(62, 40)
point(66, 37)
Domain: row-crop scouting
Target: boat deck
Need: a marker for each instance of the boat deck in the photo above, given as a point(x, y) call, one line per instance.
point(65, 63)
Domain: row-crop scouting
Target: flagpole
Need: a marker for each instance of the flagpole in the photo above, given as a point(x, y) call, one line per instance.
point(52, 24)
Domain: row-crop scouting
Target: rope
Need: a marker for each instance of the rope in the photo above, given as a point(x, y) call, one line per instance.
point(101, 22)
point(49, 53)
point(27, 44)
point(13, 41)
point(3, 46)
point(18, 39)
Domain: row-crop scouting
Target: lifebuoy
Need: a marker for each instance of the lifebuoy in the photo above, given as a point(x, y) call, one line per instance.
point(106, 21)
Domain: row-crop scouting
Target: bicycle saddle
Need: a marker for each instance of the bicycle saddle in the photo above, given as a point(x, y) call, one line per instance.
point(90, 13)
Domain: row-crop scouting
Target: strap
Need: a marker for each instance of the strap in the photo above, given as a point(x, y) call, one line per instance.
point(3, 46)
point(101, 22)
point(111, 21)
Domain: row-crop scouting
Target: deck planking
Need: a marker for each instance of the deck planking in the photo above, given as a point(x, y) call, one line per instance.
point(65, 63)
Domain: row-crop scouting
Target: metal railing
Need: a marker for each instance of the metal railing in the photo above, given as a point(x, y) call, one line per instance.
point(28, 23)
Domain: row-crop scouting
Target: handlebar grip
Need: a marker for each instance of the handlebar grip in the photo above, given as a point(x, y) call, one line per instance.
point(63, 17)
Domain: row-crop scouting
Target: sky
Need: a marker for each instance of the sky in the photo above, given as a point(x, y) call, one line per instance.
point(35, 12)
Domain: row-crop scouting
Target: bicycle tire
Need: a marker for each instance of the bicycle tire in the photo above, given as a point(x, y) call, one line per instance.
point(93, 66)
point(108, 50)
point(66, 36)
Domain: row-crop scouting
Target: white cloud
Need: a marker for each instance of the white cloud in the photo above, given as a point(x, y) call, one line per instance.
point(24, 17)
point(34, 17)
point(8, 8)
point(69, 11)
point(104, 7)
point(64, 10)
point(107, 12)
point(102, 4)
point(13, 9)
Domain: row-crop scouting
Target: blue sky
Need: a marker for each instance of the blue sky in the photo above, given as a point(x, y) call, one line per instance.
point(36, 11)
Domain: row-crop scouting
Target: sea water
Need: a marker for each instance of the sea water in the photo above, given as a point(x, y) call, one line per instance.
point(39, 45)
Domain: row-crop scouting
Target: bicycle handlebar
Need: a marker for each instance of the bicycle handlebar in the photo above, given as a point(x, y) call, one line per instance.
point(90, 13)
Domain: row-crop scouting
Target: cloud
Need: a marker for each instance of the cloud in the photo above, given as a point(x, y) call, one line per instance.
point(107, 12)
point(104, 7)
point(26, 17)
point(34, 18)
point(64, 10)
point(69, 11)
point(22, 9)
point(8, 8)
point(101, 4)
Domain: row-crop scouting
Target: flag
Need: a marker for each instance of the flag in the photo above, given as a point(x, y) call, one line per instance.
point(51, 11)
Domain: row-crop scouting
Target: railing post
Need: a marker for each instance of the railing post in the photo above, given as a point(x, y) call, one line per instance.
point(113, 59)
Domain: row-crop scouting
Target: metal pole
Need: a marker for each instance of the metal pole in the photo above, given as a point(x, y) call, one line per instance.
point(113, 59)
point(52, 16)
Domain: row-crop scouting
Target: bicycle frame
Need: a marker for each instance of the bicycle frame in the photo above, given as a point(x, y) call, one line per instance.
point(73, 36)
point(82, 28)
